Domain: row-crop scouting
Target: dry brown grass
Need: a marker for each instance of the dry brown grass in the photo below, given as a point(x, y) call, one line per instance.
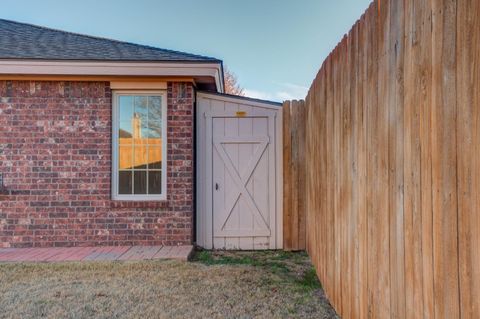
point(215, 285)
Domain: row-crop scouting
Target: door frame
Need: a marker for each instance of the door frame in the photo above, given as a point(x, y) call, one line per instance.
point(212, 105)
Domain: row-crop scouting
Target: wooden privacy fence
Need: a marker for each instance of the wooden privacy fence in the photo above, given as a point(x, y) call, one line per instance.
point(392, 163)
point(294, 233)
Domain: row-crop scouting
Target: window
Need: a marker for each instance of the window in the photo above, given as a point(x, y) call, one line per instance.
point(139, 146)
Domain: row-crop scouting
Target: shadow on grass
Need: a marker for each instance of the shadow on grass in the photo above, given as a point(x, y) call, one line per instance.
point(293, 267)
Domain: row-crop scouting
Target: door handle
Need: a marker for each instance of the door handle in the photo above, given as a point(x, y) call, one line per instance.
point(216, 186)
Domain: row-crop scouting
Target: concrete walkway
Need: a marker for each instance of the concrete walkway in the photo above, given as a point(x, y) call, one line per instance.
point(101, 253)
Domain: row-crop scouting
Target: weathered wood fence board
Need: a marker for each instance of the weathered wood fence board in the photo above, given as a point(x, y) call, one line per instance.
point(294, 222)
point(468, 150)
point(392, 183)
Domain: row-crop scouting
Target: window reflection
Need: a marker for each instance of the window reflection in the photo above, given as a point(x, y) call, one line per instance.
point(140, 144)
point(154, 157)
point(125, 182)
point(125, 156)
point(126, 108)
point(140, 156)
point(154, 118)
point(155, 182)
point(140, 182)
point(140, 117)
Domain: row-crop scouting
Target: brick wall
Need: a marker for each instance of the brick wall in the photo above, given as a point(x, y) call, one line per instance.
point(55, 156)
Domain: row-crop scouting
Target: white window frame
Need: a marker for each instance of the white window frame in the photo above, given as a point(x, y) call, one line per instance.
point(115, 139)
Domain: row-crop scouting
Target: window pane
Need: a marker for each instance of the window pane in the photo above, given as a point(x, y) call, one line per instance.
point(154, 157)
point(140, 156)
point(125, 182)
point(154, 117)
point(140, 117)
point(125, 132)
point(125, 156)
point(154, 182)
point(140, 182)
point(126, 108)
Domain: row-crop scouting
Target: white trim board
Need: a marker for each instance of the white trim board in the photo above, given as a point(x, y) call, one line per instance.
point(120, 85)
point(30, 67)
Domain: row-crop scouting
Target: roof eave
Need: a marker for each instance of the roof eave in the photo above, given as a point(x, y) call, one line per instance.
point(213, 69)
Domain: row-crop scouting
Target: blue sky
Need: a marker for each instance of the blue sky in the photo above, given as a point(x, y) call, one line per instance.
point(275, 47)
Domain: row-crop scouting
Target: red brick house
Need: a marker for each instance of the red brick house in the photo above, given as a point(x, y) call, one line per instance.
point(99, 146)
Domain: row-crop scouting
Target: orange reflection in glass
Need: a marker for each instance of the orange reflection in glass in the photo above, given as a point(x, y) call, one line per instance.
point(146, 151)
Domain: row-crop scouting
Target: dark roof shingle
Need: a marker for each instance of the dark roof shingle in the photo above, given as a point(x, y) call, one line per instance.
point(26, 41)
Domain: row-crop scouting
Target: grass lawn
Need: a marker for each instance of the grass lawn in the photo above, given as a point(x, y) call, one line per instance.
point(270, 284)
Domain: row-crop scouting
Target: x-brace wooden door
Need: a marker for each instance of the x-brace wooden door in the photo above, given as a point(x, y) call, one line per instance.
point(243, 182)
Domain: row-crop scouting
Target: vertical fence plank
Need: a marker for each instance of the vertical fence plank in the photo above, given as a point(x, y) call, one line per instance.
point(301, 175)
point(468, 141)
point(395, 101)
point(381, 286)
point(372, 241)
point(345, 183)
point(354, 143)
point(294, 175)
point(310, 203)
point(295, 167)
point(321, 148)
point(424, 102)
point(287, 177)
point(331, 249)
point(413, 217)
point(444, 179)
point(361, 125)
point(336, 71)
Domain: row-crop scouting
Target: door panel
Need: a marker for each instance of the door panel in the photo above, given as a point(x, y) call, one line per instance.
point(243, 191)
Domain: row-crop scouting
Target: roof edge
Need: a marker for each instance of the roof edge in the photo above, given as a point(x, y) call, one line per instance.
point(239, 97)
point(213, 70)
point(113, 60)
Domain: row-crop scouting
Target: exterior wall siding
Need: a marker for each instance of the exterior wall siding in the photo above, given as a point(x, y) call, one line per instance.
point(55, 157)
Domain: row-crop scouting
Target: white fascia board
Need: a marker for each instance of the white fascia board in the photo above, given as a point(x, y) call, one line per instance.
point(26, 67)
point(241, 100)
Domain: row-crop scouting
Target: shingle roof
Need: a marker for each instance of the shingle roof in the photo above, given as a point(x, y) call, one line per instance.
point(27, 41)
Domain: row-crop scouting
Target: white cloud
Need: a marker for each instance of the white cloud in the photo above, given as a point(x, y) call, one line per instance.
point(286, 91)
point(294, 91)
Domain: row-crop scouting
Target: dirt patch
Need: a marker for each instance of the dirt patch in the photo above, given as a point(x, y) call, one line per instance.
point(214, 285)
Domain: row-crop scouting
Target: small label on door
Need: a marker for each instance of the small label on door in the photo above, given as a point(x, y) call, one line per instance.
point(241, 113)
